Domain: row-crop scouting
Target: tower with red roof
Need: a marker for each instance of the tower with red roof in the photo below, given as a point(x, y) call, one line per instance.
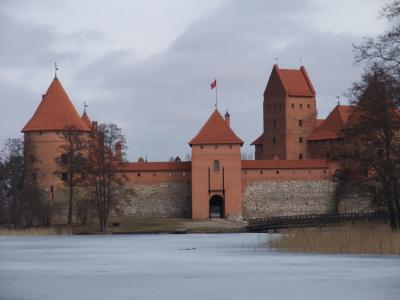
point(216, 170)
point(42, 137)
point(289, 115)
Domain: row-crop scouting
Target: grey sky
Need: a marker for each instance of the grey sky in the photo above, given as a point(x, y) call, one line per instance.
point(147, 65)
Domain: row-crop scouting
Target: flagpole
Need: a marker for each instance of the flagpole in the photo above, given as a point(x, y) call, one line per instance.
point(216, 94)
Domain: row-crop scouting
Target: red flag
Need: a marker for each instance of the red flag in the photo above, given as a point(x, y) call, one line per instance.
point(213, 84)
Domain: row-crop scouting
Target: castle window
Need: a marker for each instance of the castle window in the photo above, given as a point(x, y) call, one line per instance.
point(274, 123)
point(301, 105)
point(201, 147)
point(64, 176)
point(273, 140)
point(40, 133)
point(230, 146)
point(261, 172)
point(51, 189)
point(154, 174)
point(292, 105)
point(277, 172)
point(328, 156)
point(138, 174)
point(64, 158)
point(308, 105)
point(216, 146)
point(300, 140)
point(300, 123)
point(216, 165)
point(300, 156)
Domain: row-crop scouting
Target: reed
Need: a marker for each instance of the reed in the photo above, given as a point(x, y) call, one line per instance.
point(36, 231)
point(354, 239)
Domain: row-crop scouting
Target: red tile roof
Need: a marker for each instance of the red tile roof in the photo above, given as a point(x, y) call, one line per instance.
point(319, 122)
point(296, 82)
point(285, 164)
point(157, 166)
point(85, 118)
point(331, 127)
point(216, 131)
point(259, 140)
point(55, 112)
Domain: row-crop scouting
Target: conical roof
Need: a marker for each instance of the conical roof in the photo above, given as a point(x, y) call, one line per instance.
point(55, 112)
point(85, 118)
point(216, 131)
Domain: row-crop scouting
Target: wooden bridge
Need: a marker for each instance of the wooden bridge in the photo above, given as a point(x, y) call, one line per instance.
point(312, 220)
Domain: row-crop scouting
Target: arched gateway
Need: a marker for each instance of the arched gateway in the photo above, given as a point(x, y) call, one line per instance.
point(216, 207)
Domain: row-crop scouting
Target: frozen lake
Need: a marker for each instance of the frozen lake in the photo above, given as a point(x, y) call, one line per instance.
point(221, 266)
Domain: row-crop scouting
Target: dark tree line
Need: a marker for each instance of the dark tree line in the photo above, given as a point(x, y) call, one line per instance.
point(371, 150)
point(88, 165)
point(21, 201)
point(91, 162)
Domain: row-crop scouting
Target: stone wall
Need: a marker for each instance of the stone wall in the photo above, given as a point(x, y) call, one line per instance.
point(275, 198)
point(160, 200)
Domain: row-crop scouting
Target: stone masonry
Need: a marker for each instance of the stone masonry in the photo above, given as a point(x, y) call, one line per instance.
point(275, 198)
point(161, 200)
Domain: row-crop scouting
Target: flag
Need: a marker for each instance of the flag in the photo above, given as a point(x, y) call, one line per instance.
point(213, 84)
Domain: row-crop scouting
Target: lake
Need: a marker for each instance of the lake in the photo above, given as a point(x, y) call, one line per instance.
point(187, 266)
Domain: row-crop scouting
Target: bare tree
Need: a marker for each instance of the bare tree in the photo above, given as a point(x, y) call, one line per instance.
point(371, 152)
point(105, 159)
point(72, 162)
point(384, 50)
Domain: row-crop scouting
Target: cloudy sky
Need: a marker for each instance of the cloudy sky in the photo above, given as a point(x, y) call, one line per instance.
point(147, 65)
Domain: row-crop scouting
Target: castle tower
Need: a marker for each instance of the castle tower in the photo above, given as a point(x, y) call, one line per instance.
point(289, 115)
point(216, 170)
point(42, 138)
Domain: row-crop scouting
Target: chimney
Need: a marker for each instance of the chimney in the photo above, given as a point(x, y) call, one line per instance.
point(94, 126)
point(228, 119)
point(118, 151)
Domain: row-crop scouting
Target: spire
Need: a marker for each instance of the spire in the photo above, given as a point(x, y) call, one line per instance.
point(55, 112)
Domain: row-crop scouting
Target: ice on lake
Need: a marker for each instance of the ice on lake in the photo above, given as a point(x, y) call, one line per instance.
point(187, 266)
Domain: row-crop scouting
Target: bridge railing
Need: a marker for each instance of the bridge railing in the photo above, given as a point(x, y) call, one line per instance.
point(305, 220)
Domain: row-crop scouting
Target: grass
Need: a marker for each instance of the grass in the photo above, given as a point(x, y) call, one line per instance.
point(36, 231)
point(346, 239)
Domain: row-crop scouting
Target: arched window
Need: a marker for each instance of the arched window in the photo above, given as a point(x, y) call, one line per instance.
point(216, 165)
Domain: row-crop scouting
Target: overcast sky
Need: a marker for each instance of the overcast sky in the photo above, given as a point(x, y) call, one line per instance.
point(147, 65)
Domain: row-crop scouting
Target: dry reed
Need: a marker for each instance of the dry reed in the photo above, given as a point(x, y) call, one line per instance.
point(355, 239)
point(36, 231)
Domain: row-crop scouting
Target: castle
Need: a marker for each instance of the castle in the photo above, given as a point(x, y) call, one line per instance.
point(290, 173)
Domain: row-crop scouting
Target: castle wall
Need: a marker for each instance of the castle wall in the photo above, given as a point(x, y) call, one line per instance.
point(274, 198)
point(158, 193)
point(299, 109)
point(161, 200)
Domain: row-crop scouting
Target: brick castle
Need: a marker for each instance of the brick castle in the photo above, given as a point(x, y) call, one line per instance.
point(290, 173)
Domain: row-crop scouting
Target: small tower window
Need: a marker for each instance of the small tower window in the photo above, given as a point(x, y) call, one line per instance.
point(274, 140)
point(274, 124)
point(64, 159)
point(300, 156)
point(292, 105)
point(308, 105)
point(216, 165)
point(64, 176)
point(301, 105)
point(300, 140)
point(300, 123)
